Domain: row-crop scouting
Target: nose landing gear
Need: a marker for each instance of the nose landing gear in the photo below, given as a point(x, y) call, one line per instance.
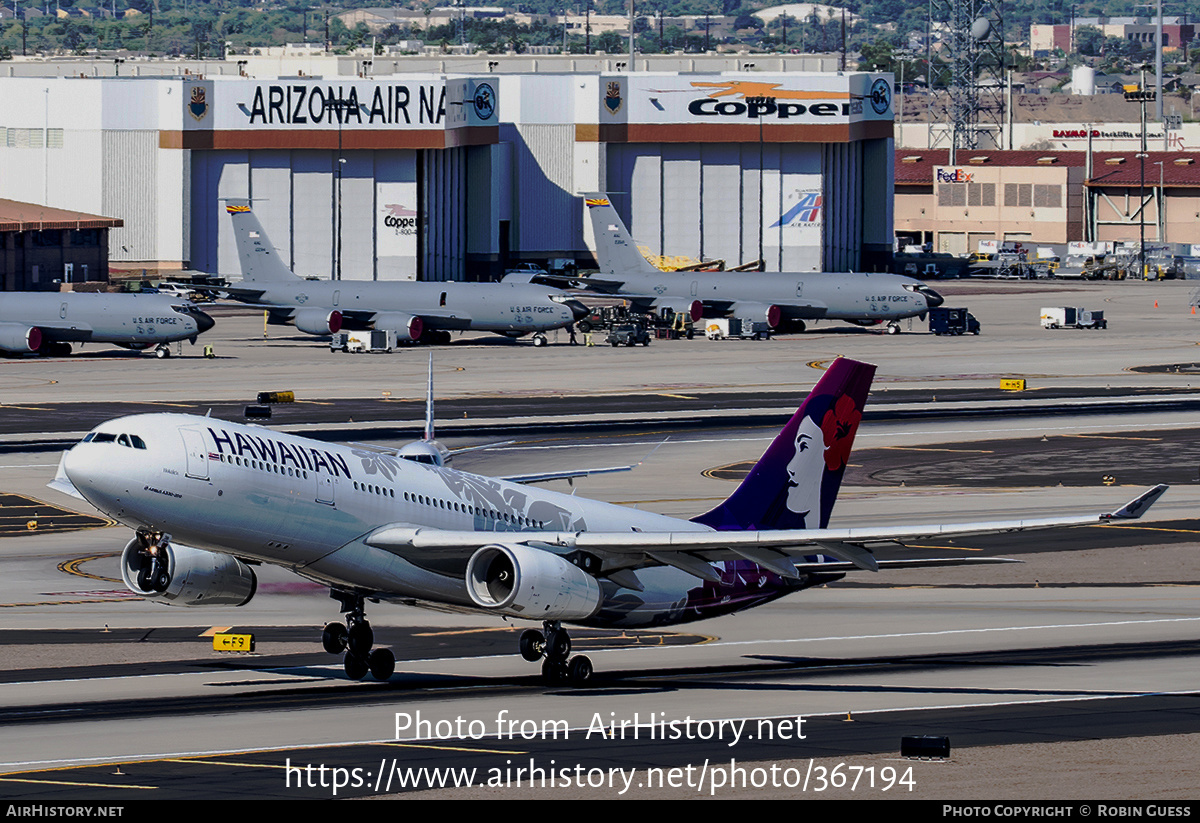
point(552, 645)
point(356, 641)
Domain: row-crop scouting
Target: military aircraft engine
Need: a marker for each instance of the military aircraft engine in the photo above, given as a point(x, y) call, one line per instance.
point(176, 575)
point(523, 582)
point(690, 308)
point(318, 321)
point(406, 326)
point(771, 313)
point(17, 337)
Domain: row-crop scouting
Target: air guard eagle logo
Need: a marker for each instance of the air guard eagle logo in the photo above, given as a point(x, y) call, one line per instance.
point(198, 105)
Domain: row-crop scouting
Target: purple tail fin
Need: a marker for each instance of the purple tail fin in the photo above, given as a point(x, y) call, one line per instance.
point(795, 482)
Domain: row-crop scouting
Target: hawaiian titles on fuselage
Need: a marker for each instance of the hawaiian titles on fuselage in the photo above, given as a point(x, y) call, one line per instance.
point(278, 452)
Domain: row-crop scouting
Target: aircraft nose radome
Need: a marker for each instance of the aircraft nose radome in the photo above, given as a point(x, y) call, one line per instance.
point(204, 322)
point(578, 310)
point(932, 298)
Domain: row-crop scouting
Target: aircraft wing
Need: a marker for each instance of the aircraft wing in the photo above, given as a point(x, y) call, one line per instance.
point(566, 474)
point(559, 281)
point(779, 551)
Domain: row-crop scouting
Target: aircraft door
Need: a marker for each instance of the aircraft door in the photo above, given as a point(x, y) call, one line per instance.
point(197, 454)
point(799, 288)
point(695, 287)
point(325, 489)
point(62, 311)
point(337, 295)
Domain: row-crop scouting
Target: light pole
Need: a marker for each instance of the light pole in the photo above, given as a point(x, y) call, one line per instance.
point(338, 105)
point(1141, 96)
point(1162, 202)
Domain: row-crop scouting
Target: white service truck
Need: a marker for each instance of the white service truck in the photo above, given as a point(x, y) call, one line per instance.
point(357, 342)
point(1069, 317)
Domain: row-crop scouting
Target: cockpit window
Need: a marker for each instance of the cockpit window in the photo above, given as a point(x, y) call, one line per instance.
point(131, 441)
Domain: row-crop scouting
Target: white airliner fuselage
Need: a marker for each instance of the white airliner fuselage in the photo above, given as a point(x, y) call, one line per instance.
point(208, 498)
point(306, 505)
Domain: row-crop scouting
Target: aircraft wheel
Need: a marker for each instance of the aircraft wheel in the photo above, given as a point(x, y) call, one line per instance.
point(361, 638)
point(532, 644)
point(382, 663)
point(162, 352)
point(554, 672)
point(334, 638)
point(558, 646)
point(893, 328)
point(539, 340)
point(579, 670)
point(161, 581)
point(356, 667)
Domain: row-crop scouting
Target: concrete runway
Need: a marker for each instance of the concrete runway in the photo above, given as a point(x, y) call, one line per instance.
point(1076, 643)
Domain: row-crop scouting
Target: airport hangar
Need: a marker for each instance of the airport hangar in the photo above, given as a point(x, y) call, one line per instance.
point(453, 176)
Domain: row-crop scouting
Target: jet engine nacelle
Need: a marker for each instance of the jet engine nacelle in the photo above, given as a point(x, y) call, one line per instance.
point(318, 321)
point(689, 308)
point(523, 582)
point(176, 575)
point(771, 313)
point(18, 337)
point(406, 326)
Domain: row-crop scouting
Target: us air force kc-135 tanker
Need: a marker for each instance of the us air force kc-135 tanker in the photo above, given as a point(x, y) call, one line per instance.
point(49, 322)
point(209, 498)
point(413, 310)
point(786, 301)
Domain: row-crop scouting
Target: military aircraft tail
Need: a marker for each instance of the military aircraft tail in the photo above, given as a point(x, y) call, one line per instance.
point(796, 481)
point(260, 261)
point(616, 253)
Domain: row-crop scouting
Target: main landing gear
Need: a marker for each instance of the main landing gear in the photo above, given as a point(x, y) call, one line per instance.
point(552, 646)
point(356, 641)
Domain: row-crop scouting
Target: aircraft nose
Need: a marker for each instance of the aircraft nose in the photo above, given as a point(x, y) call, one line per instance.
point(578, 310)
point(932, 298)
point(204, 322)
point(82, 468)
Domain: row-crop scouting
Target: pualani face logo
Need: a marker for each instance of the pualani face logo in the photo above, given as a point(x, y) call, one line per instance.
point(881, 95)
point(612, 96)
point(485, 101)
point(198, 105)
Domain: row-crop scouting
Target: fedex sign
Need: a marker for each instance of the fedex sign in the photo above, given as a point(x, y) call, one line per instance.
point(955, 176)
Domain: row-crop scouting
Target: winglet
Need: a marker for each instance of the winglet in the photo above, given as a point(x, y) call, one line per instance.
point(1138, 506)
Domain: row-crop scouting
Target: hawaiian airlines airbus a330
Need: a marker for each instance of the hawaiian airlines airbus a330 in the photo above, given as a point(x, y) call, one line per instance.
point(209, 498)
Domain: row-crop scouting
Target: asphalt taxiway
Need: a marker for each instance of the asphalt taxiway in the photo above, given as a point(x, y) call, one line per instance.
point(1093, 637)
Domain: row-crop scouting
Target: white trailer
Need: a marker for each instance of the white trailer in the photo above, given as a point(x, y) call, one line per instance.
point(1069, 317)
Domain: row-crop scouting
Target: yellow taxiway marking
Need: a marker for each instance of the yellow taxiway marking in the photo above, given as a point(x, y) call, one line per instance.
point(676, 396)
point(76, 783)
point(948, 548)
point(224, 763)
point(1151, 528)
point(931, 449)
point(1114, 437)
point(72, 567)
point(456, 632)
point(452, 748)
point(215, 630)
point(30, 408)
point(122, 599)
